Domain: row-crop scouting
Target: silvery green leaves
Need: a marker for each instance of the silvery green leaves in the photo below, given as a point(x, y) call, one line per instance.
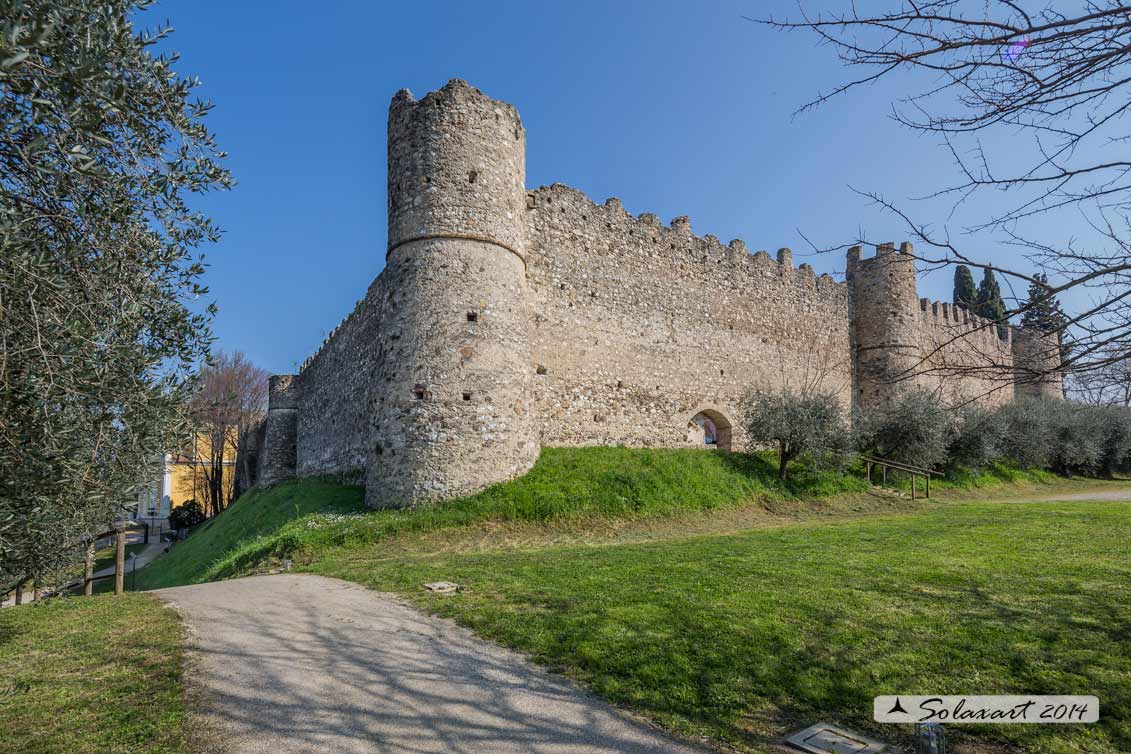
point(101, 143)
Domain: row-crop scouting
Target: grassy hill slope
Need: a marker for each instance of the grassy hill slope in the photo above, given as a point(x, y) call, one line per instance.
point(565, 483)
point(256, 514)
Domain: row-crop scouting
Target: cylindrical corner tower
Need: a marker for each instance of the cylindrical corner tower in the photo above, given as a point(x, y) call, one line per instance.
point(451, 402)
point(277, 456)
point(885, 311)
point(1036, 364)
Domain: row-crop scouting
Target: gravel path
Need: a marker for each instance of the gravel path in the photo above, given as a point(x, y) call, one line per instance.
point(299, 663)
point(1115, 495)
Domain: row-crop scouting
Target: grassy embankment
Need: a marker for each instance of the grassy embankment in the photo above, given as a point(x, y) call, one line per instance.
point(91, 675)
point(719, 603)
point(105, 557)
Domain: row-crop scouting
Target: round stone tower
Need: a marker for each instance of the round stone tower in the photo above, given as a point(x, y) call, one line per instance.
point(277, 456)
point(885, 313)
point(1036, 364)
point(451, 400)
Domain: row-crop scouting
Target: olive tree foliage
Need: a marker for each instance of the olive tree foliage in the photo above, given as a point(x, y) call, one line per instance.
point(1077, 438)
point(101, 146)
point(796, 423)
point(1027, 431)
point(1115, 428)
point(1051, 82)
point(977, 437)
point(912, 427)
point(1069, 438)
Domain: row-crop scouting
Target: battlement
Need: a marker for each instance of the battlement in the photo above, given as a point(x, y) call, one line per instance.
point(957, 320)
point(675, 242)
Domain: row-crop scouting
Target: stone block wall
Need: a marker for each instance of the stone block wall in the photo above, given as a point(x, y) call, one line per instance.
point(334, 383)
point(638, 326)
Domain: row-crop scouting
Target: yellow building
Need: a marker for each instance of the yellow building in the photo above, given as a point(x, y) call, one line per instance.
point(185, 476)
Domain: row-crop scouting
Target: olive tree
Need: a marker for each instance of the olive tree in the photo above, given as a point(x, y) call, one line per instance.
point(796, 423)
point(977, 437)
point(102, 145)
point(912, 427)
point(1027, 431)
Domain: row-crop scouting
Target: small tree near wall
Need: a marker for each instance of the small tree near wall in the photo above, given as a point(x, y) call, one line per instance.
point(796, 424)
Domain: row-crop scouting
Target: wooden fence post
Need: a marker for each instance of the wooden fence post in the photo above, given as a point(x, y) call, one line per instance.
point(88, 581)
point(19, 599)
point(36, 591)
point(120, 562)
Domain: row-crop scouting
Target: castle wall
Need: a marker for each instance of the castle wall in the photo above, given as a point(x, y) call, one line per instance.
point(509, 319)
point(280, 431)
point(635, 326)
point(334, 385)
point(964, 357)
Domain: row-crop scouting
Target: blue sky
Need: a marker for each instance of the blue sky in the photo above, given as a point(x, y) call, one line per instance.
point(676, 108)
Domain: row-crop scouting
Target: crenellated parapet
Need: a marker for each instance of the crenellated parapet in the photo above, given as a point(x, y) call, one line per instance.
point(609, 223)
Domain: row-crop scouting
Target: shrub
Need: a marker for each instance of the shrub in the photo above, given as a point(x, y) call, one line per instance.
point(1116, 425)
point(912, 428)
point(186, 516)
point(797, 424)
point(1027, 431)
point(977, 438)
point(1077, 438)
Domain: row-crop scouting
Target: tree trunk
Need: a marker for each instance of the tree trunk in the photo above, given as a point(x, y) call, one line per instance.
point(783, 464)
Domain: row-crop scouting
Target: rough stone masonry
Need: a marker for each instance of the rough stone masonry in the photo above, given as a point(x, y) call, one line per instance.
point(508, 319)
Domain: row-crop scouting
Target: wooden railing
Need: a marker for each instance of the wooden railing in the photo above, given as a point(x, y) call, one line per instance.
point(914, 471)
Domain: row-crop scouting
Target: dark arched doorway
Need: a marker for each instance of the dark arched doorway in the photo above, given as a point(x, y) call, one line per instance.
point(709, 429)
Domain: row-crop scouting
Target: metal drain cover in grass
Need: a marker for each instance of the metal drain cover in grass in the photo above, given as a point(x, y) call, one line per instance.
point(824, 738)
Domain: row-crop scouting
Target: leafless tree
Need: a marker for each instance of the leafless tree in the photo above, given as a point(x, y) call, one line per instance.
point(231, 397)
point(1110, 386)
point(1056, 83)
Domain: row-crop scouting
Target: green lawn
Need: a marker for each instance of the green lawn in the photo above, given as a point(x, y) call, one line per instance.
point(696, 589)
point(91, 675)
point(747, 636)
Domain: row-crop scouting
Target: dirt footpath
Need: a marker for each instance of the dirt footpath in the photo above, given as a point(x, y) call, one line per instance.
point(295, 663)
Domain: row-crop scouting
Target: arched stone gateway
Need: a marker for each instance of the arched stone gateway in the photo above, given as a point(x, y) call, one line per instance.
point(709, 429)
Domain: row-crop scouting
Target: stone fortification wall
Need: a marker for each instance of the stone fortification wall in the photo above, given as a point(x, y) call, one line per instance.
point(333, 422)
point(1036, 359)
point(903, 340)
point(637, 326)
point(509, 319)
point(964, 357)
